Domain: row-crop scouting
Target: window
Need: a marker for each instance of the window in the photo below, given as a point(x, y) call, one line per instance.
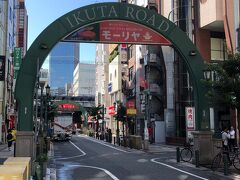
point(130, 52)
point(218, 49)
point(9, 40)
point(10, 14)
point(131, 73)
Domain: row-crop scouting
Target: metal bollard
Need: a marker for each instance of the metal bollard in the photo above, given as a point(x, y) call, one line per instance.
point(38, 172)
point(197, 158)
point(225, 164)
point(14, 152)
point(178, 154)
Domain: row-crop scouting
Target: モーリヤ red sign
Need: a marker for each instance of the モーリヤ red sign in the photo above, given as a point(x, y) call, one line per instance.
point(123, 31)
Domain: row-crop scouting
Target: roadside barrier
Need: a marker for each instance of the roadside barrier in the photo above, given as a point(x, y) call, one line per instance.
point(24, 161)
point(197, 158)
point(225, 164)
point(18, 172)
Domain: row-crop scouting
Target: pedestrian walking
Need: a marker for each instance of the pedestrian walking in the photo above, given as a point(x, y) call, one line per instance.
point(9, 139)
point(232, 139)
point(225, 138)
point(150, 134)
point(14, 132)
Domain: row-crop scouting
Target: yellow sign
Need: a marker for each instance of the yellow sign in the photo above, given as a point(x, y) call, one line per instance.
point(131, 111)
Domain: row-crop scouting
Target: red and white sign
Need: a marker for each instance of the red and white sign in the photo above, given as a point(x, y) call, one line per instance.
point(111, 110)
point(67, 106)
point(190, 118)
point(123, 31)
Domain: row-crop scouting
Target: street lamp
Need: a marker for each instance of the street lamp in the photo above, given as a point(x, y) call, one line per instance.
point(207, 74)
point(103, 112)
point(47, 90)
point(46, 107)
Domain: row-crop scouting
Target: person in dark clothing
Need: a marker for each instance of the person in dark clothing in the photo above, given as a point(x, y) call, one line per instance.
point(9, 139)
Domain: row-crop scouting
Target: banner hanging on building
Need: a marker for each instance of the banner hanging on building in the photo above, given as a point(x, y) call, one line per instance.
point(190, 118)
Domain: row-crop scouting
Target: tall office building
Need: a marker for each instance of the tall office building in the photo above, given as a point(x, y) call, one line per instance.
point(84, 80)
point(61, 66)
point(8, 31)
point(22, 23)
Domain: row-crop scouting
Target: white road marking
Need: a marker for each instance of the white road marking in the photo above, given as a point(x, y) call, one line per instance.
point(83, 153)
point(105, 144)
point(78, 148)
point(163, 164)
point(106, 171)
point(93, 167)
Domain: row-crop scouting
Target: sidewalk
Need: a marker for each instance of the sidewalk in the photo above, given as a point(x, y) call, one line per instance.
point(51, 166)
point(160, 148)
point(50, 173)
point(5, 153)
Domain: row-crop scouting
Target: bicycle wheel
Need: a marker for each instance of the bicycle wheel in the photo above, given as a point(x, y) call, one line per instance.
point(216, 162)
point(236, 161)
point(186, 154)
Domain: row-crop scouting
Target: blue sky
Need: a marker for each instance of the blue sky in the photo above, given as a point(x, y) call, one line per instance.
point(41, 13)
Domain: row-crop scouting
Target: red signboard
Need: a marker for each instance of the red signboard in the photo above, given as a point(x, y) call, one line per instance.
point(131, 104)
point(118, 32)
point(67, 106)
point(123, 31)
point(111, 110)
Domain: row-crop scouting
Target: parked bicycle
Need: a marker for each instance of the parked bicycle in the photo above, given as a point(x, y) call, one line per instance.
point(232, 157)
point(187, 152)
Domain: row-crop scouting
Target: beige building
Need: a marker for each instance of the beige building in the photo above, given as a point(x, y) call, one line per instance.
point(84, 80)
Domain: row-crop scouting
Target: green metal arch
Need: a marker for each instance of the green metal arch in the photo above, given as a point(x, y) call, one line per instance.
point(83, 16)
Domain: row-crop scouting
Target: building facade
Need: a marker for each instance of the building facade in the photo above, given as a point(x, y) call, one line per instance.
point(62, 60)
point(102, 81)
point(158, 79)
point(84, 80)
point(13, 24)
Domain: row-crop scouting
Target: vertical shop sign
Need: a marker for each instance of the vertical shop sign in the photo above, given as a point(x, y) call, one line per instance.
point(123, 54)
point(17, 60)
point(190, 118)
point(2, 68)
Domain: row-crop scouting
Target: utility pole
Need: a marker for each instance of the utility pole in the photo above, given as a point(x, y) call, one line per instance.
point(117, 131)
point(103, 111)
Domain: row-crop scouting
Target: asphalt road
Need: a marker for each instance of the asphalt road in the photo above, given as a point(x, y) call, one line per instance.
point(87, 158)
